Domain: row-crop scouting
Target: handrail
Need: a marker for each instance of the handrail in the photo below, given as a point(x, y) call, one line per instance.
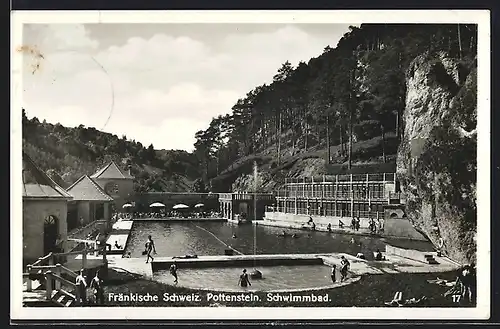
point(42, 267)
point(42, 259)
point(80, 251)
point(89, 225)
point(63, 280)
point(82, 240)
point(51, 267)
point(67, 271)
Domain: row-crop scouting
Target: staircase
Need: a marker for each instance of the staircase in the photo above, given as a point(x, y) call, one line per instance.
point(51, 290)
point(63, 298)
point(46, 284)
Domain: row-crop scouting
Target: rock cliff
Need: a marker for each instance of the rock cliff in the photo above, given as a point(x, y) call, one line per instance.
point(436, 161)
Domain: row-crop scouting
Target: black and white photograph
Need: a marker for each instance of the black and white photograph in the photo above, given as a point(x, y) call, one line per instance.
point(250, 165)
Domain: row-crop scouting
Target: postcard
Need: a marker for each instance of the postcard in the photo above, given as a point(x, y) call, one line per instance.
point(239, 165)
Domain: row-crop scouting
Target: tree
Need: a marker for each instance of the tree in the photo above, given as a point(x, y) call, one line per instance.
point(199, 186)
point(151, 153)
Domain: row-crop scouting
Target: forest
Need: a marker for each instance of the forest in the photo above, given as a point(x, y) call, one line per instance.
point(66, 154)
point(350, 93)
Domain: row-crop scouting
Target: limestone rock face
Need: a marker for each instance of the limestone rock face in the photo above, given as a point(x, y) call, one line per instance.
point(436, 161)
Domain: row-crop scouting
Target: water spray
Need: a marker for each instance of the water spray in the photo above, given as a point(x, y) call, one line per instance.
point(256, 274)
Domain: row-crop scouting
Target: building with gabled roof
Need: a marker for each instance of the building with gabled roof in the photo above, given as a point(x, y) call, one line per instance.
point(116, 182)
point(45, 207)
point(111, 171)
point(90, 203)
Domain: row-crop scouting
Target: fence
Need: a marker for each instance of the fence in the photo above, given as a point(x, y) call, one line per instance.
point(339, 194)
point(328, 212)
point(246, 196)
point(378, 177)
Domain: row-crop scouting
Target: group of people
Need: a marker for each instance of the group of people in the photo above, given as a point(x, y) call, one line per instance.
point(374, 226)
point(96, 285)
point(150, 248)
point(465, 283)
point(164, 214)
point(355, 224)
point(344, 269)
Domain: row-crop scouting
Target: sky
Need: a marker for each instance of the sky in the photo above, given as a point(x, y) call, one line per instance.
point(157, 83)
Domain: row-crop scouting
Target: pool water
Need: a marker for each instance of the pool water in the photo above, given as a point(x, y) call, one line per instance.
point(274, 278)
point(211, 238)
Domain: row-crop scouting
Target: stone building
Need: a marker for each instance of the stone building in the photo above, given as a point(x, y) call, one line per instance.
point(45, 207)
point(90, 203)
point(116, 182)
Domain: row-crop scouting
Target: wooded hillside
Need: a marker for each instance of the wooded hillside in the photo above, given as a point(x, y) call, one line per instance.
point(68, 153)
point(351, 93)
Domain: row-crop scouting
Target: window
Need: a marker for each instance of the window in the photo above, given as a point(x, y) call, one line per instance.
point(50, 220)
point(111, 188)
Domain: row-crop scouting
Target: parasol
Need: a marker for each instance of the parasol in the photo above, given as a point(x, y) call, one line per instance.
point(180, 206)
point(156, 205)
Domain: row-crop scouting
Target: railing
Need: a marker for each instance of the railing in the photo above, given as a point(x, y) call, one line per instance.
point(53, 277)
point(53, 273)
point(327, 212)
point(56, 282)
point(338, 195)
point(83, 232)
point(225, 196)
point(47, 262)
point(246, 196)
point(375, 177)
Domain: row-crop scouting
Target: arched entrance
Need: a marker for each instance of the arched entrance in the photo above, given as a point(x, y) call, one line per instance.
point(50, 233)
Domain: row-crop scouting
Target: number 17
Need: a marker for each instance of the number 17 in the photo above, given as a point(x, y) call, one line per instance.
point(456, 298)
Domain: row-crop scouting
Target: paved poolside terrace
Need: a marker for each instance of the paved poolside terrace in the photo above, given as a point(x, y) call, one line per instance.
point(393, 265)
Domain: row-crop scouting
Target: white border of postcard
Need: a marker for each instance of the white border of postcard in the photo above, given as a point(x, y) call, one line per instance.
point(481, 311)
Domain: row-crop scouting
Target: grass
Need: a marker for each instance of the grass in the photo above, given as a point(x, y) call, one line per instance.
point(369, 291)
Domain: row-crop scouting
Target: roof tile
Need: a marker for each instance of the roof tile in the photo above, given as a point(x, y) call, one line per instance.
point(85, 189)
point(38, 184)
point(112, 171)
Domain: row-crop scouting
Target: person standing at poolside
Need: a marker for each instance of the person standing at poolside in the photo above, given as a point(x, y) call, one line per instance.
point(81, 285)
point(332, 275)
point(96, 286)
point(344, 267)
point(150, 247)
point(173, 271)
point(244, 281)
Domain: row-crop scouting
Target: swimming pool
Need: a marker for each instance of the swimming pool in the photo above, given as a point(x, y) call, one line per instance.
point(211, 238)
point(274, 278)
